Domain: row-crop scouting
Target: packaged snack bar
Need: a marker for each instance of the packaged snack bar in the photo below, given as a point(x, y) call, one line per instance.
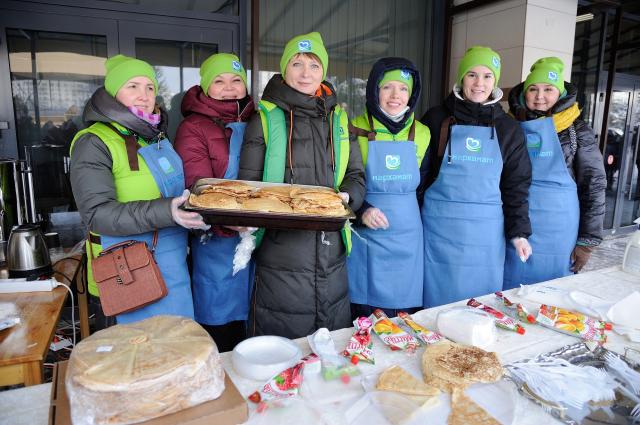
point(360, 346)
point(423, 334)
point(285, 384)
point(391, 334)
point(516, 308)
point(572, 323)
point(500, 319)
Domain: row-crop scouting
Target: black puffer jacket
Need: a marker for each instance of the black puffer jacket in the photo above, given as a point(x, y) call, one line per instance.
point(301, 277)
point(583, 158)
point(516, 170)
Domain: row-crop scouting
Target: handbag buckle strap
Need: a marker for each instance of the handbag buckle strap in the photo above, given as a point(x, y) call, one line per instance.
point(124, 274)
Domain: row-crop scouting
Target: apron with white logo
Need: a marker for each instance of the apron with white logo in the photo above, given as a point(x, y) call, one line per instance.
point(385, 269)
point(554, 211)
point(463, 222)
point(218, 296)
point(171, 250)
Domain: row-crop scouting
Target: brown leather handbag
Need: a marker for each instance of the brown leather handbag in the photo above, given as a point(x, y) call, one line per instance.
point(127, 276)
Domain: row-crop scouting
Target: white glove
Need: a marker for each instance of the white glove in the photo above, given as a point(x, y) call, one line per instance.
point(373, 218)
point(186, 219)
point(523, 249)
point(344, 196)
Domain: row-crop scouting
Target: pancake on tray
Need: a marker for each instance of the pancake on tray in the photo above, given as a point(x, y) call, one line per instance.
point(214, 200)
point(230, 187)
point(320, 202)
point(281, 193)
point(266, 205)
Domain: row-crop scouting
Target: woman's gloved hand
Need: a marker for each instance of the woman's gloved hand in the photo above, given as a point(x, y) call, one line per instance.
point(374, 219)
point(580, 256)
point(345, 197)
point(523, 249)
point(186, 219)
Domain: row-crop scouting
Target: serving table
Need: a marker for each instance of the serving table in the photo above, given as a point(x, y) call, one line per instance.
point(611, 283)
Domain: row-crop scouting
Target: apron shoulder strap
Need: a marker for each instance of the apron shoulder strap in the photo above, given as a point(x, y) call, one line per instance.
point(132, 146)
point(412, 131)
point(444, 134)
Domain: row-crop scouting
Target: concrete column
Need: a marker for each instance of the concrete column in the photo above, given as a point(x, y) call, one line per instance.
point(521, 31)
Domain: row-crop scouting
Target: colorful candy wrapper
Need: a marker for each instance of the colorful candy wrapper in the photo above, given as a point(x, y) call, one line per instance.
point(573, 323)
point(500, 319)
point(284, 385)
point(423, 334)
point(360, 346)
point(391, 334)
point(520, 310)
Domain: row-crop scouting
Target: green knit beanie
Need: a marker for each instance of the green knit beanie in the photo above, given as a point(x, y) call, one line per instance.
point(121, 69)
point(398, 75)
point(479, 55)
point(217, 64)
point(305, 43)
point(548, 71)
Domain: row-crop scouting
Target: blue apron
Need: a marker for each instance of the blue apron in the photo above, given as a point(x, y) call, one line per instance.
point(554, 211)
point(218, 296)
point(385, 269)
point(463, 221)
point(171, 250)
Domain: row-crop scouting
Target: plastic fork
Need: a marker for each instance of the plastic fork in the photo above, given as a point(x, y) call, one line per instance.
point(624, 371)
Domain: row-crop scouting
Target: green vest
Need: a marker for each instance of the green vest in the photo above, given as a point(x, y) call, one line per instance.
point(130, 185)
point(422, 135)
point(274, 129)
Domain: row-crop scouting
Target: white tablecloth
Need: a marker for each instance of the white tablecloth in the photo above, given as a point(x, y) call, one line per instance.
point(336, 397)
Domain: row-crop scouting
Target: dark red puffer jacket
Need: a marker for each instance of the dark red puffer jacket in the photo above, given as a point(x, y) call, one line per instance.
point(201, 141)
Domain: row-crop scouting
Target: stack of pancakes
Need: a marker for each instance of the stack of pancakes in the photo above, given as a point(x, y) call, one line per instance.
point(237, 195)
point(228, 194)
point(317, 202)
point(270, 199)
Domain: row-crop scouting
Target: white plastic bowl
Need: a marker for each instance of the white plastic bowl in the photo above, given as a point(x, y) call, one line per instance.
point(263, 357)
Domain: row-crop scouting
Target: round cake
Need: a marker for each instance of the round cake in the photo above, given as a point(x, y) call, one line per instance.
point(135, 372)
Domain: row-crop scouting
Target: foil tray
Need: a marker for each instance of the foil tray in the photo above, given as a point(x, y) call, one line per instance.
point(615, 412)
point(270, 220)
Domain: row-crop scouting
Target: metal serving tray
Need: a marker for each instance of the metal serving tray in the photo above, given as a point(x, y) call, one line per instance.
point(614, 413)
point(270, 220)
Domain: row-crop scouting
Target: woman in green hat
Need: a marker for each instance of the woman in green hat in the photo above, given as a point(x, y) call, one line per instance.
point(567, 194)
point(386, 265)
point(128, 181)
point(476, 191)
point(209, 140)
point(301, 278)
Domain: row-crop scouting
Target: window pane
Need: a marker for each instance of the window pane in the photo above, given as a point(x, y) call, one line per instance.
point(356, 33)
point(52, 77)
point(177, 65)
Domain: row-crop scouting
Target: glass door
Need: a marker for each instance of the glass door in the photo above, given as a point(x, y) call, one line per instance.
point(176, 53)
point(52, 68)
point(622, 156)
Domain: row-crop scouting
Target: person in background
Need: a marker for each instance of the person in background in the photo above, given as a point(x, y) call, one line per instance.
point(477, 185)
point(128, 182)
point(301, 136)
point(567, 194)
point(209, 140)
point(386, 265)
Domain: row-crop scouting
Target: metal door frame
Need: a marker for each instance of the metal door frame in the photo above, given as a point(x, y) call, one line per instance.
point(631, 84)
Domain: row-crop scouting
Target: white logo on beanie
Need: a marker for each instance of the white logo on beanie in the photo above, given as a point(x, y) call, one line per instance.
point(405, 74)
point(495, 61)
point(236, 65)
point(304, 45)
point(552, 76)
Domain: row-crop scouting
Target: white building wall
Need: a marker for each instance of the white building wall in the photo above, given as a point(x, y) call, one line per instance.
point(521, 31)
